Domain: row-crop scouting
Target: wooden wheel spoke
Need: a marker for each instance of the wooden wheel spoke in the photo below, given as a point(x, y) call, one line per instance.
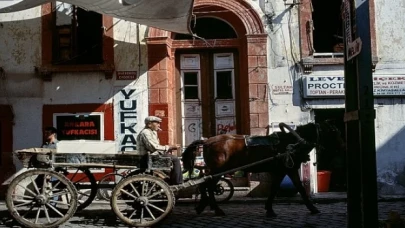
point(129, 194)
point(136, 191)
point(133, 213)
point(37, 216)
point(35, 185)
point(150, 212)
point(23, 203)
point(157, 208)
point(150, 190)
point(158, 200)
point(33, 205)
point(155, 194)
point(46, 214)
point(141, 215)
point(59, 202)
point(28, 190)
point(55, 210)
point(23, 196)
point(60, 193)
point(56, 185)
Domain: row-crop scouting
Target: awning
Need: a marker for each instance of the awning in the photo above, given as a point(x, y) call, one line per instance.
point(170, 15)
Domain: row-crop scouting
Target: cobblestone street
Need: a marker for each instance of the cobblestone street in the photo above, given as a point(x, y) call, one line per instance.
point(239, 214)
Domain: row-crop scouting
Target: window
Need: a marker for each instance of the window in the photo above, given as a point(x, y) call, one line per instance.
point(78, 35)
point(79, 126)
point(209, 28)
point(224, 85)
point(191, 90)
point(327, 26)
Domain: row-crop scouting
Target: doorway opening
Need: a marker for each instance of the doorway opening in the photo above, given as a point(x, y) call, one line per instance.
point(333, 161)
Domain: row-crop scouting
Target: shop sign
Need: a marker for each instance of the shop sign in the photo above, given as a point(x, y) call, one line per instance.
point(333, 86)
point(389, 85)
point(78, 126)
point(324, 86)
point(127, 119)
point(126, 75)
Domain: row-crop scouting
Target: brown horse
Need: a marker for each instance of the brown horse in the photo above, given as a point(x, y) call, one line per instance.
point(225, 152)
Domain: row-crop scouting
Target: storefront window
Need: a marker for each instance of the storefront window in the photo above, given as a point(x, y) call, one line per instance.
point(79, 126)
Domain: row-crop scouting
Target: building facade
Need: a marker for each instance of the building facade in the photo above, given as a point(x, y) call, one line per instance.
point(254, 64)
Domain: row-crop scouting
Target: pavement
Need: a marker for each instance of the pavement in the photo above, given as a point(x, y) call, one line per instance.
point(241, 212)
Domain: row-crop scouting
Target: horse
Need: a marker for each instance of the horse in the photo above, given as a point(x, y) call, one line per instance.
point(226, 152)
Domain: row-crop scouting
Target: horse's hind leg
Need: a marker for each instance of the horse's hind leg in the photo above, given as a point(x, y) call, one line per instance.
point(212, 184)
point(294, 176)
point(275, 181)
point(204, 198)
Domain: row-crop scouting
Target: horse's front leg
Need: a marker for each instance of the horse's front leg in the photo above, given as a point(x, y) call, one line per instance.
point(275, 181)
point(204, 198)
point(212, 185)
point(295, 178)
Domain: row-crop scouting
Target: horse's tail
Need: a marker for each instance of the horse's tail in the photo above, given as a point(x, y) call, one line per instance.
point(189, 155)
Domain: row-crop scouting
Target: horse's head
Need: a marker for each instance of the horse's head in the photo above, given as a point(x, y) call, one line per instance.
point(329, 137)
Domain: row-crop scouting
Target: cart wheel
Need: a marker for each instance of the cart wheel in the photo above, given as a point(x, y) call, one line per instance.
point(41, 199)
point(107, 184)
point(86, 185)
point(223, 192)
point(146, 200)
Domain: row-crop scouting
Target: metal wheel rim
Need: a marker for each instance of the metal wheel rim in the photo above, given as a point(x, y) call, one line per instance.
point(49, 199)
point(148, 200)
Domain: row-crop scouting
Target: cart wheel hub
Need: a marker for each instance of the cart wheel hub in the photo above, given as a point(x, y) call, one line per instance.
point(143, 201)
point(42, 199)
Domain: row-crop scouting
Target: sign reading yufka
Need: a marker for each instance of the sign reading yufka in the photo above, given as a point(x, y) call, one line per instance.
point(79, 126)
point(333, 86)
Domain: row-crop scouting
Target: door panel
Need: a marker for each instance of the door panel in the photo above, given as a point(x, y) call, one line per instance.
point(191, 98)
point(207, 82)
point(224, 85)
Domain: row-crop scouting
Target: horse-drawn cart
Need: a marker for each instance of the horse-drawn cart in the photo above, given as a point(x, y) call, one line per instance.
point(43, 195)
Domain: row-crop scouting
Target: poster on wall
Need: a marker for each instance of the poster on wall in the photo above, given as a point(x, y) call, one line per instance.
point(79, 126)
point(130, 110)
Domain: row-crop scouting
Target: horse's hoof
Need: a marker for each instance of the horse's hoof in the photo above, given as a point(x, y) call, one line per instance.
point(271, 214)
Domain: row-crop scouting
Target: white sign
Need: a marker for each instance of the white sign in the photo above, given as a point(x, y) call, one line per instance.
point(281, 89)
point(389, 85)
point(324, 86)
point(334, 86)
point(126, 119)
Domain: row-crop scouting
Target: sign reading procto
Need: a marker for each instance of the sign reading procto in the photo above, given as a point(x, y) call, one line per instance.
point(334, 86)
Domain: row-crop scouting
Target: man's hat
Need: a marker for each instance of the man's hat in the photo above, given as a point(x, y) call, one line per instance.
point(152, 119)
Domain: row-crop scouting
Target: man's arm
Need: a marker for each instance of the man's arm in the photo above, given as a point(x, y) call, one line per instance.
point(151, 143)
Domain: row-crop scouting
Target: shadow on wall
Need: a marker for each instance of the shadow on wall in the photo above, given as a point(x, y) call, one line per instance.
point(391, 165)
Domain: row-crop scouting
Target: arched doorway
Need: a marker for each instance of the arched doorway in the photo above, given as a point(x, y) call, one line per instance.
point(204, 87)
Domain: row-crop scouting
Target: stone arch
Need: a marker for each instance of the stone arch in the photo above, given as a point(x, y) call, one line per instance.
point(243, 10)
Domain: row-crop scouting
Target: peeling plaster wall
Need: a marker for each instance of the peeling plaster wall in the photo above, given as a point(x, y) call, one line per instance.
point(20, 52)
point(390, 121)
point(283, 49)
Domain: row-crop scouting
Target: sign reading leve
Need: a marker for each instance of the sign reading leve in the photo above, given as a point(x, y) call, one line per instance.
point(334, 86)
point(79, 126)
